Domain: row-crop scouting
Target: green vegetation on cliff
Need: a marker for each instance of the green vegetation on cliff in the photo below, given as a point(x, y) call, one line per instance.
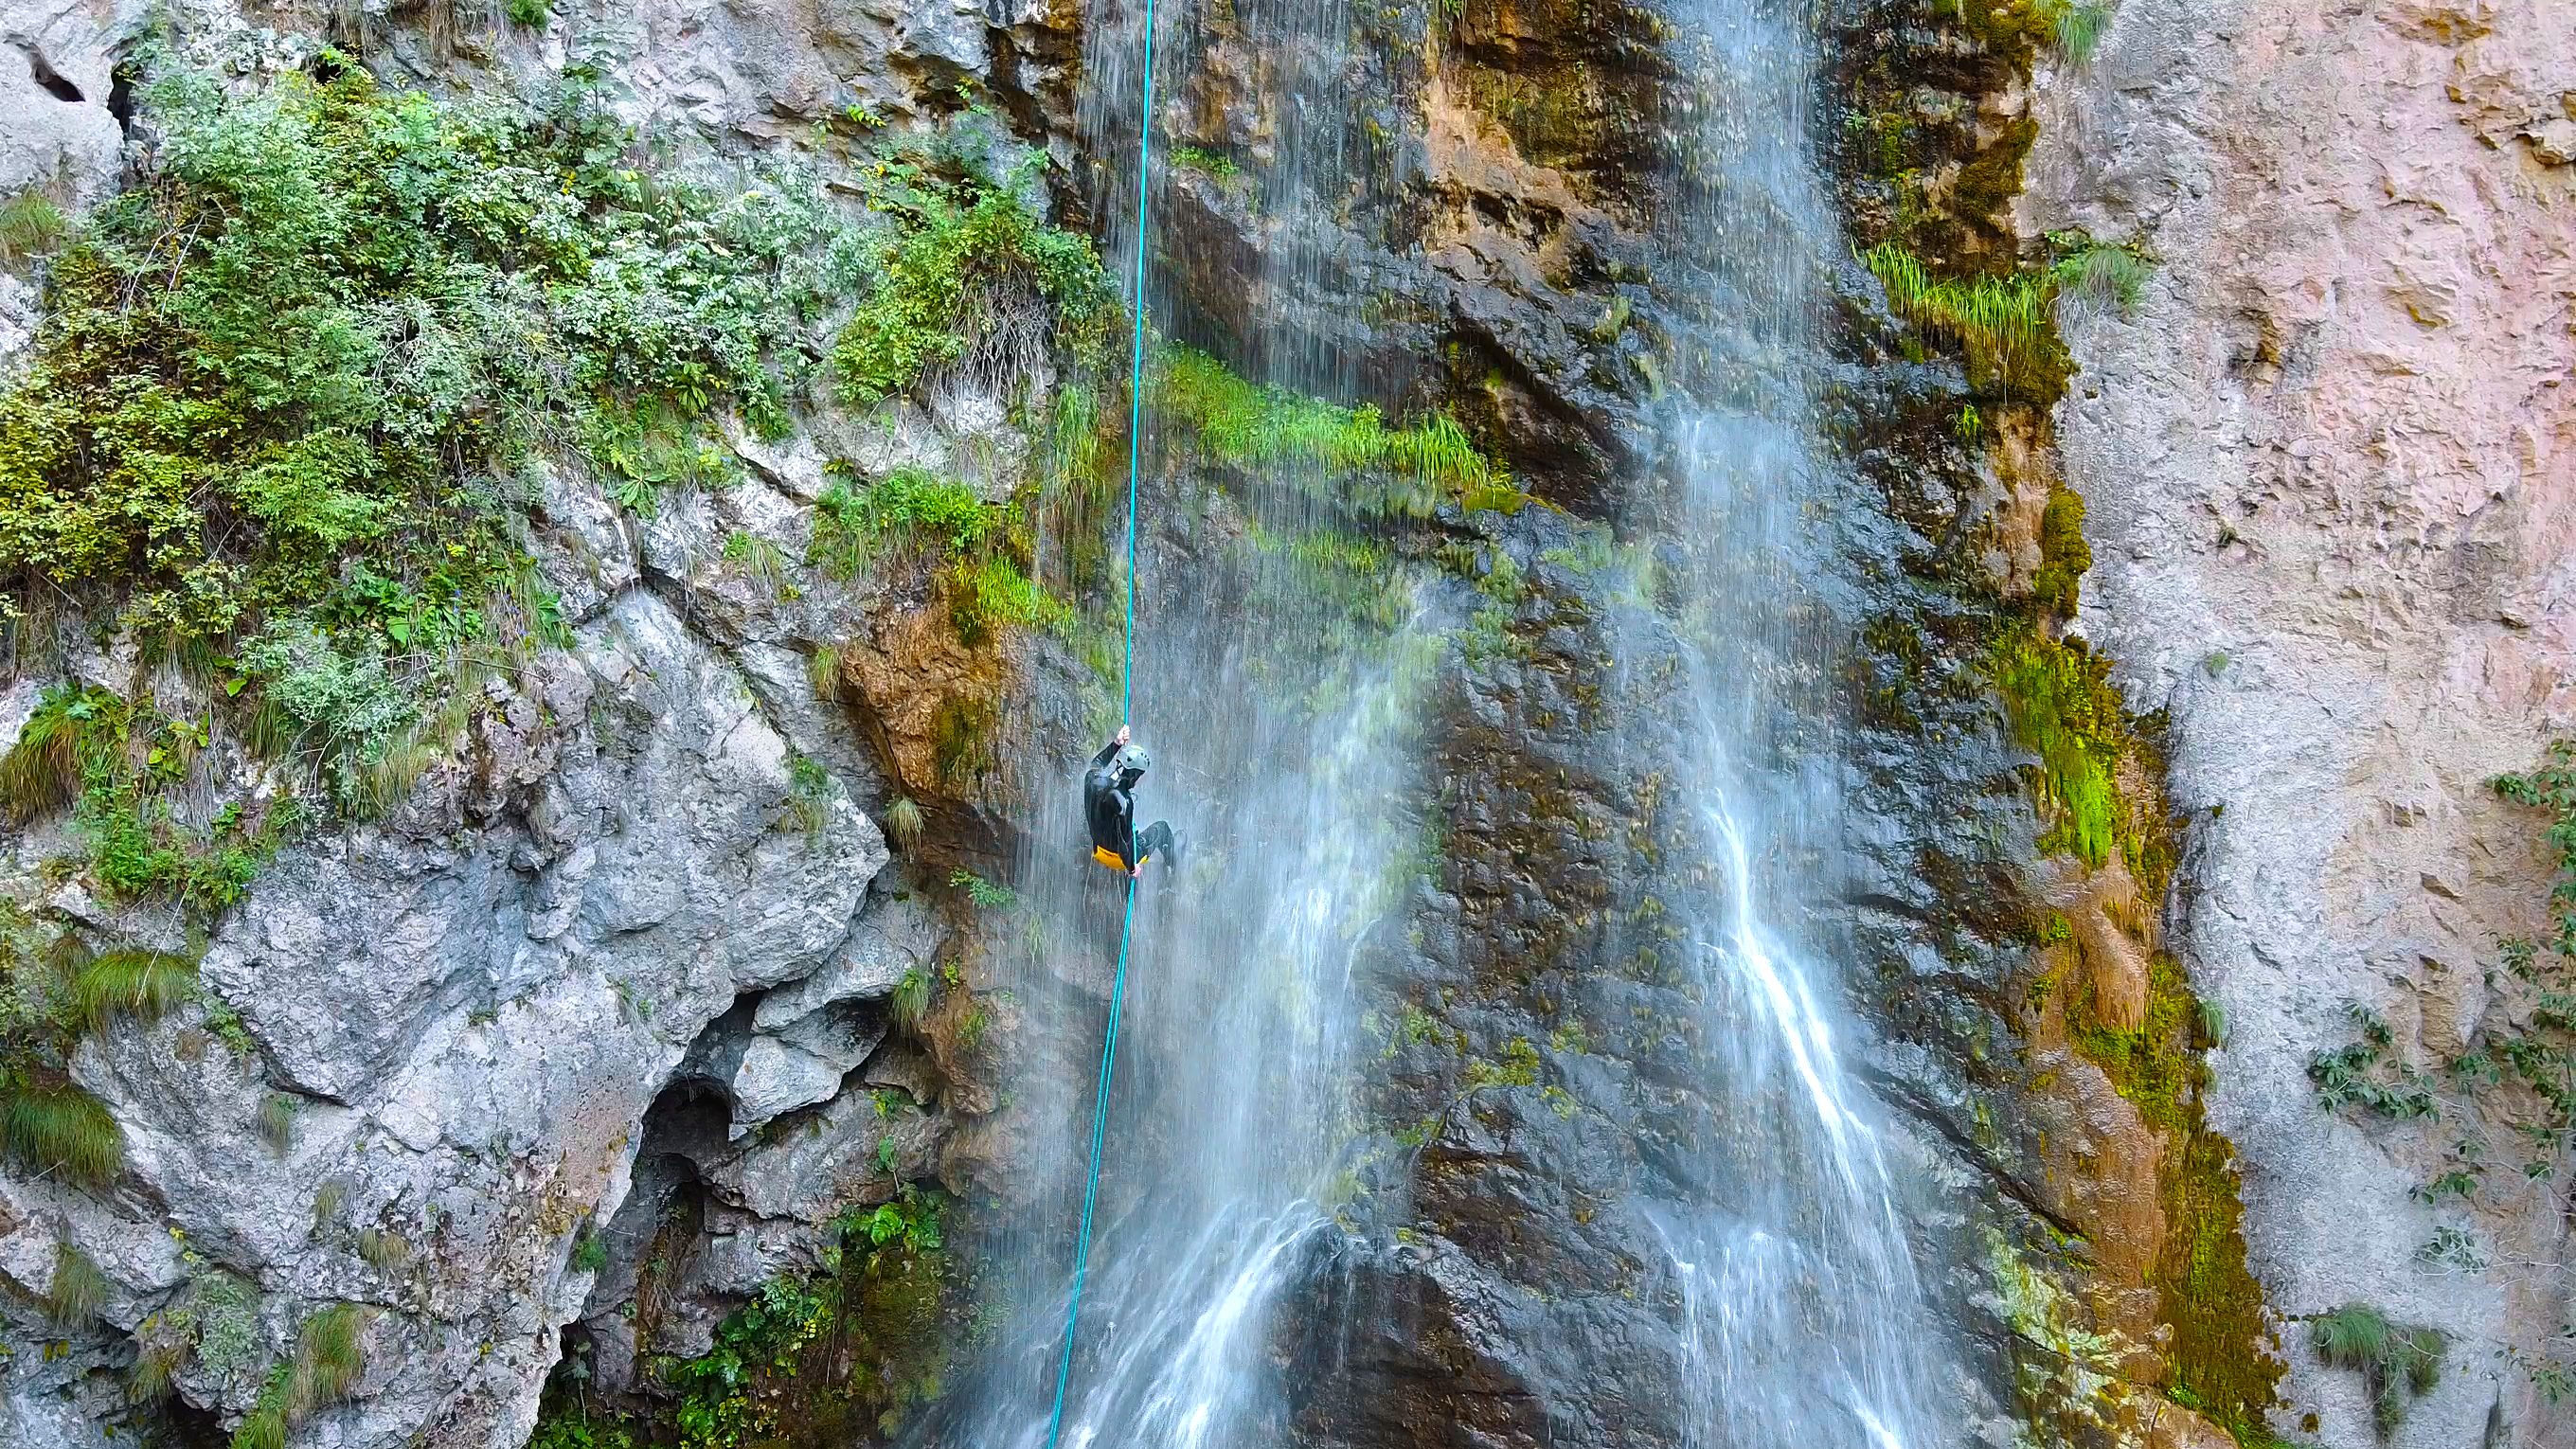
point(2506, 1100)
point(827, 1357)
point(1409, 470)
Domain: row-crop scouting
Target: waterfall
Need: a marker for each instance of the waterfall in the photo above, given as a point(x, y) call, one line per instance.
point(1281, 663)
point(1802, 1322)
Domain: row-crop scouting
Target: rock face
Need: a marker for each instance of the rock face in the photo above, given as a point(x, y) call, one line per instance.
point(626, 958)
point(2332, 498)
point(600, 1029)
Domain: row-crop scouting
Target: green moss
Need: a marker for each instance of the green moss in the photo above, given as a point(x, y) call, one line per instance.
point(2061, 705)
point(2064, 556)
point(1408, 471)
point(991, 593)
point(2155, 1066)
point(2214, 1359)
point(962, 739)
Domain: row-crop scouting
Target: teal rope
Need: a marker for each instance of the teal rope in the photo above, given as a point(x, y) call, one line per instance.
point(1126, 708)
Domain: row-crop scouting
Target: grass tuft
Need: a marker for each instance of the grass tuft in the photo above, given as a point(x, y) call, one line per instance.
point(72, 725)
point(140, 985)
point(2398, 1364)
point(2080, 27)
point(77, 1289)
point(329, 1359)
point(264, 1428)
point(912, 999)
point(384, 1249)
point(904, 821)
point(31, 226)
point(1241, 425)
point(276, 1121)
point(64, 1129)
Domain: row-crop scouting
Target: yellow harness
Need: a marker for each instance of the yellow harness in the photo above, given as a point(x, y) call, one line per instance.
point(1109, 858)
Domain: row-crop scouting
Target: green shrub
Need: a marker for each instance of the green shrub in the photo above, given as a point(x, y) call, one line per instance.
point(985, 894)
point(290, 389)
point(532, 14)
point(342, 698)
point(906, 508)
point(1206, 163)
point(959, 254)
point(589, 1252)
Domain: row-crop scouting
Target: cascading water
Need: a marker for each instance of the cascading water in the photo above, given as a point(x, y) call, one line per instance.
point(1276, 674)
point(1801, 1319)
point(1279, 666)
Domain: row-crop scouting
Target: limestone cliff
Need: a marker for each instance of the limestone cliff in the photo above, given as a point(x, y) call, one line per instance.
point(2329, 488)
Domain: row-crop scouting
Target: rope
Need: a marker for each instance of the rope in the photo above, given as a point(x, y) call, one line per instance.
point(1126, 707)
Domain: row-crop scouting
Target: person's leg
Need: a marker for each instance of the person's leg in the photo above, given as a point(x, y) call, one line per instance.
point(1154, 842)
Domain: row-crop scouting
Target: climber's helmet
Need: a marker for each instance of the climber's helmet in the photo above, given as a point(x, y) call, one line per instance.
point(1133, 762)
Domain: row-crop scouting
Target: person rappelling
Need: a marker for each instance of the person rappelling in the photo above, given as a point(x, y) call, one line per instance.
point(1109, 801)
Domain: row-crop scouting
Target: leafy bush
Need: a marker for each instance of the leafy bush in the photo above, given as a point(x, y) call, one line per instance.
point(292, 384)
point(961, 256)
point(908, 507)
point(342, 698)
point(985, 894)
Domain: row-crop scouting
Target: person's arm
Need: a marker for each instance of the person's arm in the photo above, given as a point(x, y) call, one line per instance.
point(1110, 750)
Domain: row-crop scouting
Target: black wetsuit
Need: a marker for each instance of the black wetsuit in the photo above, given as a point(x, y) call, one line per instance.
point(1107, 802)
